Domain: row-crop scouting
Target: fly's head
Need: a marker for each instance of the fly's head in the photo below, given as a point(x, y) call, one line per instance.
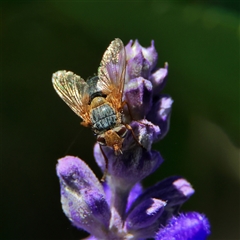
point(113, 138)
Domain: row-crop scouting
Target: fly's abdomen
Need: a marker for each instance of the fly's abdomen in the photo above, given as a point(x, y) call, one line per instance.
point(103, 117)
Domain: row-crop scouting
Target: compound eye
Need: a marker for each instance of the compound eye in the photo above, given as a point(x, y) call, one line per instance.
point(121, 131)
point(101, 140)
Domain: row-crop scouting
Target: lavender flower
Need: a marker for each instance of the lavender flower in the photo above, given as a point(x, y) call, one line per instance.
point(119, 208)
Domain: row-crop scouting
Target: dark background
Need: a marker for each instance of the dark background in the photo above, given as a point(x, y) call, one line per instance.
point(199, 40)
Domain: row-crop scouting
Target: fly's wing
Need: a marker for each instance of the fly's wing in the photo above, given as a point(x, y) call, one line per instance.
point(111, 72)
point(74, 92)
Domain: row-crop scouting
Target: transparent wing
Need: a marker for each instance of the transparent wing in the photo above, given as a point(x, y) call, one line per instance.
point(74, 92)
point(111, 72)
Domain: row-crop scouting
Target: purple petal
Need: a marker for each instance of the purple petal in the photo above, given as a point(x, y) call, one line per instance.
point(75, 173)
point(126, 169)
point(145, 214)
point(107, 191)
point(146, 132)
point(189, 226)
point(143, 133)
point(138, 95)
point(160, 114)
point(174, 190)
point(134, 193)
point(138, 66)
point(82, 196)
point(128, 49)
point(159, 79)
point(90, 238)
point(150, 54)
point(125, 199)
point(133, 165)
point(99, 158)
point(132, 49)
point(123, 173)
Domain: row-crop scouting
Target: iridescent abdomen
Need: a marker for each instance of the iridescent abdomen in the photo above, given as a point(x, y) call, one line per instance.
point(103, 117)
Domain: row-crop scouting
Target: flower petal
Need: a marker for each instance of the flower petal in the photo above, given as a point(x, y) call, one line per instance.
point(82, 196)
point(76, 174)
point(190, 226)
point(160, 114)
point(136, 162)
point(143, 133)
point(132, 49)
point(126, 169)
point(99, 158)
point(174, 190)
point(159, 79)
point(138, 66)
point(151, 54)
point(145, 214)
point(134, 193)
point(138, 95)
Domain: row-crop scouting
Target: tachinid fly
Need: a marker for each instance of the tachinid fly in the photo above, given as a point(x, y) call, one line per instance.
point(98, 101)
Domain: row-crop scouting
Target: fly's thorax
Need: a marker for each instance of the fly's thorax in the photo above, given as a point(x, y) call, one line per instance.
point(93, 89)
point(97, 101)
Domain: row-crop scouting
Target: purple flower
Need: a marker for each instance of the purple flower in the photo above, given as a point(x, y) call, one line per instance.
point(119, 208)
point(191, 226)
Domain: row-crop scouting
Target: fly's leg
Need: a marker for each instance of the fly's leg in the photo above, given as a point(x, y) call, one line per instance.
point(85, 124)
point(106, 165)
point(126, 103)
point(133, 134)
point(128, 126)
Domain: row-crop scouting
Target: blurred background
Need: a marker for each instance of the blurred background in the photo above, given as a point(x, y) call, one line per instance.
point(199, 40)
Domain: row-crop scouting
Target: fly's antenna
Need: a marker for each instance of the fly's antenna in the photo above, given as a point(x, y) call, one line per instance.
point(72, 143)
